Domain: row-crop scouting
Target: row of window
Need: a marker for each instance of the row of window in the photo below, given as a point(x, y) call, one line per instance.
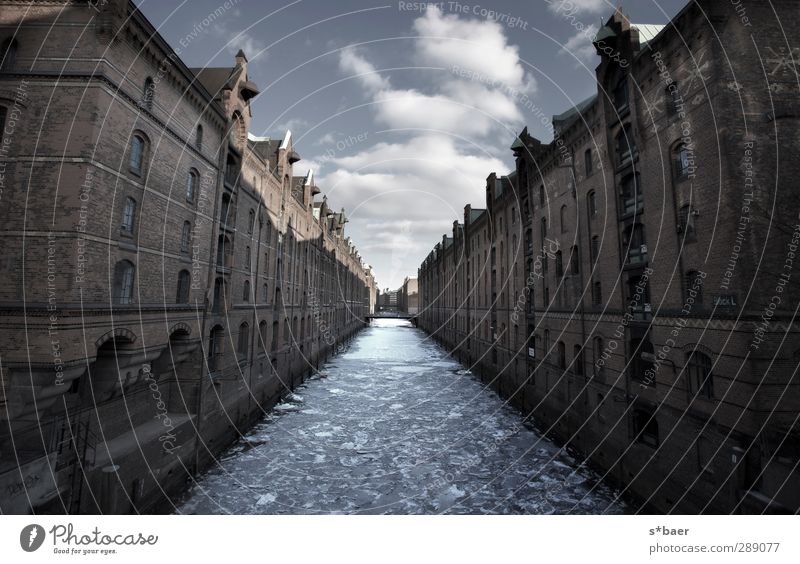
point(123, 284)
point(698, 367)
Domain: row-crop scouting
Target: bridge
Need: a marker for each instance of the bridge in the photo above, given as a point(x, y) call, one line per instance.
point(392, 315)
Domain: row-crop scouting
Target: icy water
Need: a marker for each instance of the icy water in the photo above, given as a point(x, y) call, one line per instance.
point(395, 425)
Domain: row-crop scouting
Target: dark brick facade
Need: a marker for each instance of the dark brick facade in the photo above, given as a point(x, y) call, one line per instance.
point(166, 275)
point(632, 284)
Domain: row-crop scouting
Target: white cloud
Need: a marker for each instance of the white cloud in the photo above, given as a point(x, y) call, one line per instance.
point(477, 45)
point(580, 45)
point(572, 7)
point(350, 62)
point(402, 195)
point(326, 139)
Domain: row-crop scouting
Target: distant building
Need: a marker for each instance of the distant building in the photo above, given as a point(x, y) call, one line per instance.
point(408, 296)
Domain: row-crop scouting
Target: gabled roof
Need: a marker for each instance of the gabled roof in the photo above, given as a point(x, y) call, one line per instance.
point(217, 79)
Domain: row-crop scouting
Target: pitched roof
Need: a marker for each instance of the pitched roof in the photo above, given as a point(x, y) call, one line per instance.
point(647, 32)
point(565, 119)
point(217, 79)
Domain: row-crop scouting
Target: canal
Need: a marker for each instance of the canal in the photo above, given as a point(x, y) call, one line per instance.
point(395, 425)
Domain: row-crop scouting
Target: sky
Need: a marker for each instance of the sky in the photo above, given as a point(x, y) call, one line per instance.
point(401, 109)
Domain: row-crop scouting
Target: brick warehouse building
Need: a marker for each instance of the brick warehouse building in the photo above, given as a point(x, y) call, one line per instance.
point(167, 275)
point(631, 285)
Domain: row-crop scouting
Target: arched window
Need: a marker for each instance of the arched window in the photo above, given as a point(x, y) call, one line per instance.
point(645, 427)
point(701, 380)
point(597, 294)
point(148, 93)
point(577, 364)
point(541, 195)
point(587, 159)
point(262, 335)
point(631, 194)
point(275, 336)
point(621, 91)
point(128, 215)
point(246, 291)
point(686, 223)
point(682, 156)
point(641, 360)
point(544, 229)
point(224, 209)
point(546, 343)
point(559, 264)
point(598, 354)
point(216, 343)
point(198, 138)
point(287, 331)
point(219, 295)
point(562, 355)
point(563, 218)
point(224, 251)
point(136, 158)
point(122, 292)
point(595, 248)
point(231, 171)
point(634, 243)
point(182, 295)
point(9, 51)
point(244, 340)
point(186, 237)
point(251, 221)
point(238, 130)
point(591, 202)
point(247, 259)
point(266, 293)
point(574, 260)
point(191, 185)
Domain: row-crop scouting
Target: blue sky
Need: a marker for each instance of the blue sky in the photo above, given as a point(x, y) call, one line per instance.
point(401, 109)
